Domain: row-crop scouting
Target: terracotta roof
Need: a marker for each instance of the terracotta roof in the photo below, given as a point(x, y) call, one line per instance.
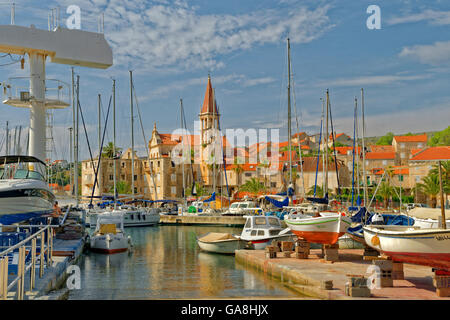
point(418, 138)
point(432, 154)
point(395, 170)
point(380, 156)
point(209, 102)
point(244, 166)
point(414, 151)
point(344, 150)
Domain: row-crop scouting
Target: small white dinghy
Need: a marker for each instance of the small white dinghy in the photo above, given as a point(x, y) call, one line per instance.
point(220, 242)
point(109, 236)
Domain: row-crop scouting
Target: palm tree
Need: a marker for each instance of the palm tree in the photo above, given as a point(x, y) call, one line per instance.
point(238, 170)
point(430, 187)
point(108, 150)
point(252, 185)
point(386, 191)
point(319, 192)
point(445, 169)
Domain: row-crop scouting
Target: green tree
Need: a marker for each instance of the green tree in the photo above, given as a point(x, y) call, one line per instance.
point(108, 150)
point(385, 140)
point(430, 187)
point(441, 138)
point(319, 192)
point(252, 185)
point(385, 191)
point(123, 187)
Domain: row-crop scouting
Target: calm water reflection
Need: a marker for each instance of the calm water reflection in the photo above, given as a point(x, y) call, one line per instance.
point(166, 263)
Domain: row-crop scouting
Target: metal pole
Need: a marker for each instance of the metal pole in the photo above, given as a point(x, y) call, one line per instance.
point(7, 139)
point(99, 165)
point(71, 159)
point(184, 155)
point(132, 135)
point(325, 191)
point(33, 264)
point(289, 116)
point(76, 149)
point(441, 191)
point(114, 140)
point(364, 148)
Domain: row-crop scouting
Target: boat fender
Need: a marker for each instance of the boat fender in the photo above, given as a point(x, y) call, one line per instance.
point(375, 240)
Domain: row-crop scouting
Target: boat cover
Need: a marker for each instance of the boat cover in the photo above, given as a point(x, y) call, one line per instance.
point(216, 236)
point(425, 213)
point(212, 198)
point(278, 204)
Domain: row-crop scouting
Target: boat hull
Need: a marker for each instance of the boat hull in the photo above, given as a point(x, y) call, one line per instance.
point(261, 244)
point(323, 230)
point(109, 243)
point(21, 200)
point(226, 247)
point(429, 247)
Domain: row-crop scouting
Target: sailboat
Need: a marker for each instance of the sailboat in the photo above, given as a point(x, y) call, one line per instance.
point(327, 226)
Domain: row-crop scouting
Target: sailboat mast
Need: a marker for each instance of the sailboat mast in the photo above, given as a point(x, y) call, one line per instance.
point(363, 148)
point(289, 113)
point(114, 141)
point(99, 165)
point(7, 138)
point(184, 149)
point(132, 135)
point(76, 149)
point(326, 148)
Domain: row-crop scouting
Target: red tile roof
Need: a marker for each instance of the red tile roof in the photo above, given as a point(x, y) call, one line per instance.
point(380, 156)
point(344, 150)
point(418, 138)
point(432, 154)
point(244, 166)
point(395, 170)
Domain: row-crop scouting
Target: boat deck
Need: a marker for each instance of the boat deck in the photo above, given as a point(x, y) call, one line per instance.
point(306, 275)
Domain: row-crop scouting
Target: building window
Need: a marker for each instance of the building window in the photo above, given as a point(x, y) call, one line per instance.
point(173, 190)
point(159, 164)
point(158, 177)
point(123, 164)
point(248, 174)
point(173, 164)
point(402, 145)
point(135, 177)
point(111, 177)
point(420, 145)
point(384, 162)
point(173, 177)
point(402, 155)
point(273, 184)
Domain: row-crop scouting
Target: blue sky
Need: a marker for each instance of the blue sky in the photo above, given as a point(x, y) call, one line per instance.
point(171, 46)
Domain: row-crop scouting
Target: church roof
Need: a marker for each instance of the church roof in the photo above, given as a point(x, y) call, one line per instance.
point(209, 102)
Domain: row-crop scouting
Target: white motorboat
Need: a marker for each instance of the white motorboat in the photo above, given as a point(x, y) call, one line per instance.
point(220, 242)
point(427, 218)
point(133, 216)
point(109, 235)
point(411, 244)
point(324, 229)
point(243, 208)
point(24, 193)
point(260, 231)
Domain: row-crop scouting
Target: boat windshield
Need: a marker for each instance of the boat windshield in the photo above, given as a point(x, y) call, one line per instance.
point(234, 205)
point(274, 222)
point(260, 221)
point(243, 205)
point(21, 167)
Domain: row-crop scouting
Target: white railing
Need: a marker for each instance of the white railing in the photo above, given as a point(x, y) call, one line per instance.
point(27, 247)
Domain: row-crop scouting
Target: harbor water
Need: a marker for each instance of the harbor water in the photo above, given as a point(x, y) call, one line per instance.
point(166, 263)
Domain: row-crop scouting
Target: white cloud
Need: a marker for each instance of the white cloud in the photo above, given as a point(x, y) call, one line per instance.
point(370, 80)
point(160, 35)
point(434, 54)
point(434, 17)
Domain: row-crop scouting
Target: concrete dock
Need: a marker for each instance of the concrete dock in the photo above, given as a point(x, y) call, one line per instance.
point(52, 285)
point(235, 221)
point(306, 275)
